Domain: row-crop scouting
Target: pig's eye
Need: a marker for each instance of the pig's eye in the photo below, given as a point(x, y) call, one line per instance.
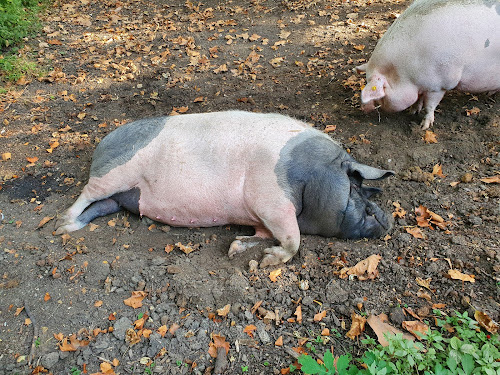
point(369, 210)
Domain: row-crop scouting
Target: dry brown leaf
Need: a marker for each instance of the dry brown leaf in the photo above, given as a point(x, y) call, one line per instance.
point(44, 221)
point(273, 275)
point(416, 328)
point(98, 303)
point(399, 211)
point(169, 248)
point(72, 345)
point(319, 316)
point(380, 326)
point(492, 179)
point(162, 330)
point(131, 337)
point(457, 275)
point(276, 62)
point(422, 294)
point(218, 342)
point(221, 69)
point(298, 313)
point(430, 137)
point(46, 297)
point(6, 156)
point(330, 128)
point(415, 232)
point(173, 328)
point(359, 47)
point(249, 329)
point(279, 341)
point(426, 283)
point(27, 321)
point(363, 270)
point(486, 322)
point(186, 249)
point(472, 111)
point(357, 326)
point(106, 368)
point(437, 170)
point(135, 301)
point(224, 311)
point(325, 332)
point(32, 160)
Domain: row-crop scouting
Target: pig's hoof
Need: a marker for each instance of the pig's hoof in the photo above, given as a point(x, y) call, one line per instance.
point(273, 256)
point(66, 227)
point(241, 244)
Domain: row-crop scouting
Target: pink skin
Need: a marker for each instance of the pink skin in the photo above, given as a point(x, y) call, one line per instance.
point(234, 179)
point(429, 50)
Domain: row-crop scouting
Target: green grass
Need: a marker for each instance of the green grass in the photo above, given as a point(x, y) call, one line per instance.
point(18, 19)
point(466, 351)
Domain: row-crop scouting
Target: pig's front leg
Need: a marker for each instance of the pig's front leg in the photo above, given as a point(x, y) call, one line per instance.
point(285, 229)
point(243, 243)
point(431, 101)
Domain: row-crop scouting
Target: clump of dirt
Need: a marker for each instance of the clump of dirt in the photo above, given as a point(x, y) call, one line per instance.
point(115, 61)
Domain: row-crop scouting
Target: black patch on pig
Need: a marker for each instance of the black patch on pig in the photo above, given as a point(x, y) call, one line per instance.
point(128, 200)
point(325, 185)
point(487, 43)
point(122, 144)
point(309, 172)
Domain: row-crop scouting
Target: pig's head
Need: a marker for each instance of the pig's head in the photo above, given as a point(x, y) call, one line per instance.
point(386, 91)
point(362, 218)
point(326, 185)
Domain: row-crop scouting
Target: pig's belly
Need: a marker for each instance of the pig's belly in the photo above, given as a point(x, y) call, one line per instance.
point(195, 206)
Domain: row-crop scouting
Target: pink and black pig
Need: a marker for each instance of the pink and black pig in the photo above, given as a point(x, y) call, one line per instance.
point(434, 46)
point(268, 171)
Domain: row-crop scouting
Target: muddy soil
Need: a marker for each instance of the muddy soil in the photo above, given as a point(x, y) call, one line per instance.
point(110, 62)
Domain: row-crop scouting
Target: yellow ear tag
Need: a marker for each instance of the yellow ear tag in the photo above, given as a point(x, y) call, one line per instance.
point(374, 88)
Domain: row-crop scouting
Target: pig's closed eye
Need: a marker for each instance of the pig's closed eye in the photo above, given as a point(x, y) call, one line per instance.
point(369, 210)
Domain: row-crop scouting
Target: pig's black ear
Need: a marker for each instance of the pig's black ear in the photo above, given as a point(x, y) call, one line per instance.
point(368, 191)
point(365, 172)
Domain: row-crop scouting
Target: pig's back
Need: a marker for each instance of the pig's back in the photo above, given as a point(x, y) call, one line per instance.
point(433, 37)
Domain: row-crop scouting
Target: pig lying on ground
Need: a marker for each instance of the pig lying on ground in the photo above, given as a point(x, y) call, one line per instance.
point(268, 171)
point(434, 46)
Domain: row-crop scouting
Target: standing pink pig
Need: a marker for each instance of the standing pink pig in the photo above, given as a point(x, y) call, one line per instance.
point(434, 46)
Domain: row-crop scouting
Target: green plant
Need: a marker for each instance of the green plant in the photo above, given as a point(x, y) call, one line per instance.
point(74, 371)
point(37, 342)
point(244, 368)
point(465, 351)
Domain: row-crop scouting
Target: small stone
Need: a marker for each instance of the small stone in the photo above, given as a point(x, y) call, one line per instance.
point(158, 261)
point(174, 269)
point(304, 284)
point(121, 327)
point(49, 360)
point(475, 220)
point(466, 178)
point(253, 265)
point(397, 316)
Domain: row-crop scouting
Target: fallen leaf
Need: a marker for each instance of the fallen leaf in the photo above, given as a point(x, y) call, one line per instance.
point(363, 270)
point(357, 326)
point(276, 62)
point(72, 345)
point(218, 342)
point(399, 212)
point(135, 301)
point(32, 160)
point(273, 275)
point(415, 232)
point(437, 170)
point(325, 332)
point(359, 47)
point(162, 330)
point(6, 156)
point(18, 311)
point(298, 313)
point(491, 180)
point(430, 137)
point(381, 328)
point(221, 69)
point(173, 328)
point(319, 316)
point(416, 328)
point(249, 329)
point(46, 297)
point(426, 283)
point(457, 275)
point(185, 249)
point(106, 368)
point(131, 337)
point(472, 111)
point(279, 341)
point(169, 248)
point(44, 221)
point(27, 321)
point(330, 128)
point(486, 322)
point(224, 311)
point(422, 294)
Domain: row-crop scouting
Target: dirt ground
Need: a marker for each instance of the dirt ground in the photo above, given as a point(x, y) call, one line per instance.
point(112, 61)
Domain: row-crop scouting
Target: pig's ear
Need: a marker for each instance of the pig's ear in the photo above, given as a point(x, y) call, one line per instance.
point(365, 172)
point(374, 89)
point(361, 68)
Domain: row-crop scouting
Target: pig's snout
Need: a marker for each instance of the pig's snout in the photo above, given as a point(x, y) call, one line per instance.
point(368, 106)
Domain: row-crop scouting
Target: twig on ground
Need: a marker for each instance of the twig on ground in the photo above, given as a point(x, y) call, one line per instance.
point(35, 332)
